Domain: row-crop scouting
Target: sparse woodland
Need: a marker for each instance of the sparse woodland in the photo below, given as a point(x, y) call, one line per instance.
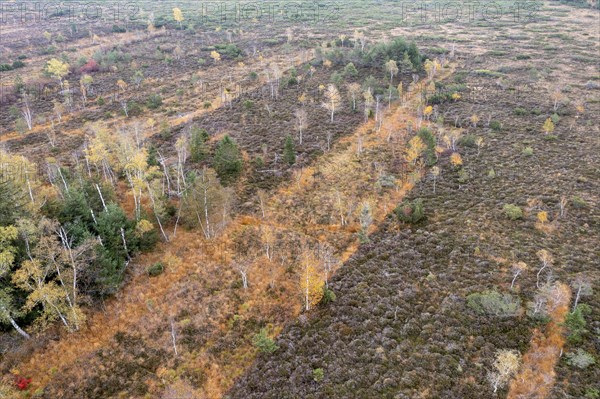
point(192, 209)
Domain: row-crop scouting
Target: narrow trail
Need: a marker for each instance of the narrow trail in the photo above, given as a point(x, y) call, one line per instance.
point(537, 376)
point(144, 300)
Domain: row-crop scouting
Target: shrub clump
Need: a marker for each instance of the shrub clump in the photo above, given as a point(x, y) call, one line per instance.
point(575, 323)
point(469, 140)
point(263, 342)
point(513, 212)
point(578, 202)
point(410, 212)
point(318, 375)
point(528, 151)
point(580, 359)
point(154, 101)
point(156, 269)
point(496, 125)
point(328, 296)
point(493, 303)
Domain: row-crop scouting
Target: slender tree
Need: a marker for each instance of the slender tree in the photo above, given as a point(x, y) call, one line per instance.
point(333, 100)
point(289, 152)
point(301, 122)
point(392, 68)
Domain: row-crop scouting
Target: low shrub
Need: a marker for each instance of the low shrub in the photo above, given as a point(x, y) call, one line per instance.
point(469, 140)
point(156, 269)
point(410, 212)
point(463, 176)
point(495, 126)
point(513, 212)
point(580, 359)
point(18, 64)
point(154, 101)
point(439, 98)
point(328, 296)
point(592, 393)
point(520, 111)
point(578, 202)
point(494, 303)
point(263, 342)
point(318, 374)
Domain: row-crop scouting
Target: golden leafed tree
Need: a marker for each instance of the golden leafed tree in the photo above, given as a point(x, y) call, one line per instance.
point(57, 69)
point(548, 126)
point(215, 56)
point(178, 16)
point(506, 365)
point(456, 159)
point(415, 148)
point(8, 250)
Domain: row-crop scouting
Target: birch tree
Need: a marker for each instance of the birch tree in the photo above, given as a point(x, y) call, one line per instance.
point(243, 267)
point(435, 173)
point(8, 312)
point(392, 68)
point(353, 92)
point(506, 365)
point(517, 269)
point(359, 39)
point(26, 111)
point(333, 100)
point(581, 287)
point(178, 16)
point(301, 122)
point(57, 69)
point(85, 83)
point(206, 203)
point(50, 275)
point(546, 258)
point(369, 100)
point(328, 260)
point(311, 284)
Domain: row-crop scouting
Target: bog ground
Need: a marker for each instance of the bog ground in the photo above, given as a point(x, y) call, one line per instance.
point(367, 199)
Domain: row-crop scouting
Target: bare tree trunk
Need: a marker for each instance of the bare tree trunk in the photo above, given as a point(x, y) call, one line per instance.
point(512, 284)
point(577, 297)
point(125, 243)
point(17, 328)
point(162, 230)
point(537, 283)
point(101, 197)
point(244, 279)
point(27, 115)
point(173, 337)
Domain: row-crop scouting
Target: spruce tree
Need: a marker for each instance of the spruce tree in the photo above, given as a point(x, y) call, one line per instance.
point(12, 202)
point(198, 147)
point(228, 159)
point(289, 152)
point(152, 156)
point(406, 65)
